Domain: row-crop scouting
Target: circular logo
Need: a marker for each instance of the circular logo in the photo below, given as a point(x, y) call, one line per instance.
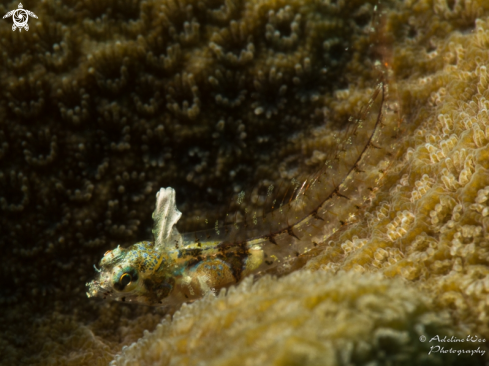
point(422, 338)
point(20, 18)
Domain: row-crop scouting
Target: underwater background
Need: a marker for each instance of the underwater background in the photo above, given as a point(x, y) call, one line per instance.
point(104, 102)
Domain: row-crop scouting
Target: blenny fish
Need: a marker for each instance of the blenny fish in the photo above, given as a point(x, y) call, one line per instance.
point(181, 267)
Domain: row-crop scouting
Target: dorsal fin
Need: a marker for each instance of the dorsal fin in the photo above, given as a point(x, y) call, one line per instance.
point(165, 217)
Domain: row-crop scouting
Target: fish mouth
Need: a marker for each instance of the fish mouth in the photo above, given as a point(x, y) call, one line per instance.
point(95, 289)
point(100, 286)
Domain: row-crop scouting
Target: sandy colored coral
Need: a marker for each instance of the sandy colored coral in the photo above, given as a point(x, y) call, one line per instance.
point(302, 319)
point(429, 224)
point(103, 102)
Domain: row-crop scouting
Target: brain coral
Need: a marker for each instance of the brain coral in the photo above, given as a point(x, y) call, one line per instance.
point(103, 102)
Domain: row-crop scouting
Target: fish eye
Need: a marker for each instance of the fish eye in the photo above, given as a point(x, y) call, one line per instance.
point(126, 279)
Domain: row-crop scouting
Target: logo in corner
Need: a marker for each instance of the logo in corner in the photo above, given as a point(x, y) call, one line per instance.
point(20, 17)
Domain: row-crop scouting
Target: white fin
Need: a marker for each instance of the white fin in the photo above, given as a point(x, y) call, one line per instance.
point(165, 216)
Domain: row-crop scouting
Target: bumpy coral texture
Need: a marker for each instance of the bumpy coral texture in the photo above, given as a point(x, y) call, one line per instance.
point(431, 226)
point(103, 102)
point(300, 320)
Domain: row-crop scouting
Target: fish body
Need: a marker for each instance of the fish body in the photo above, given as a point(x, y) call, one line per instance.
point(177, 268)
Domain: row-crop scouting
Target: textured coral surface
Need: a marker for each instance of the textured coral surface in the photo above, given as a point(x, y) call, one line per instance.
point(103, 102)
point(303, 319)
point(429, 224)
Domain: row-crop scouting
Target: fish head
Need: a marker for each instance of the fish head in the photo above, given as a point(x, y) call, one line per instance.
point(123, 274)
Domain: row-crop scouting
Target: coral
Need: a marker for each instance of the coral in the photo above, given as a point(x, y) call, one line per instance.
point(103, 102)
point(299, 320)
point(429, 223)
